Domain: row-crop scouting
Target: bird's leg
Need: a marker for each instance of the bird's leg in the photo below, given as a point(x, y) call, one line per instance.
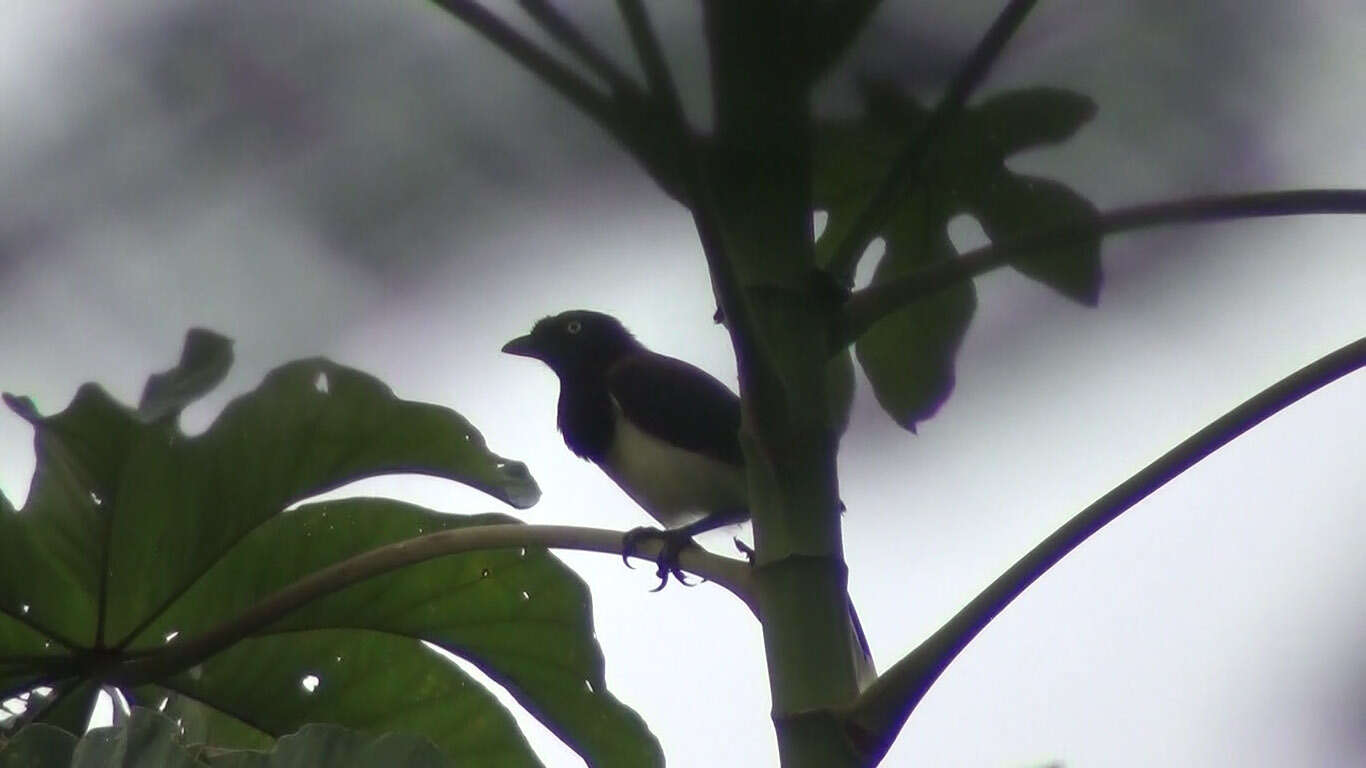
point(673, 541)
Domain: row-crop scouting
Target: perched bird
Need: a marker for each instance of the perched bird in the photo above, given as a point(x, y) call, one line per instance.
point(665, 431)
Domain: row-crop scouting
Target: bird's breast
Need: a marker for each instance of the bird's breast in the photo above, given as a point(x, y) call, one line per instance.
point(674, 485)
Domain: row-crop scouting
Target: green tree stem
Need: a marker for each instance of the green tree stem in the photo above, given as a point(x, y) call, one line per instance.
point(868, 306)
point(878, 715)
point(758, 167)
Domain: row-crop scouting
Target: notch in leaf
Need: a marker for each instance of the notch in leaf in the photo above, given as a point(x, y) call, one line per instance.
point(909, 355)
point(204, 363)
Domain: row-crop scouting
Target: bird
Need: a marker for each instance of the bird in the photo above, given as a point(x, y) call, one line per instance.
point(665, 431)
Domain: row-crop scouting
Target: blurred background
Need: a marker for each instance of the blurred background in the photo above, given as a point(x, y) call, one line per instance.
point(372, 182)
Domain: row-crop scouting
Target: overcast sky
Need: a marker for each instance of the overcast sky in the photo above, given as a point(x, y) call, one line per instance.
point(370, 182)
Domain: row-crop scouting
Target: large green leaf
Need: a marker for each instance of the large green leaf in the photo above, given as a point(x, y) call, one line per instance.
point(147, 740)
point(909, 355)
point(67, 706)
point(134, 510)
point(336, 747)
point(53, 548)
point(519, 615)
point(967, 170)
point(153, 740)
point(311, 426)
point(200, 724)
point(133, 530)
point(38, 746)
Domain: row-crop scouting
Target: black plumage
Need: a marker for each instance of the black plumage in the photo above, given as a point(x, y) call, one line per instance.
point(665, 431)
point(679, 403)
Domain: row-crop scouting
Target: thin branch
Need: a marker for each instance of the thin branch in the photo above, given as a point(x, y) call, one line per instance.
point(697, 192)
point(652, 60)
point(625, 117)
point(587, 98)
point(840, 25)
point(566, 34)
point(732, 574)
point(908, 169)
point(673, 122)
point(871, 304)
point(623, 120)
point(879, 713)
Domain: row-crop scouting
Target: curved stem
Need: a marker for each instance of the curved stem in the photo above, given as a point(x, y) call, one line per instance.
point(566, 34)
point(620, 115)
point(729, 573)
point(544, 66)
point(875, 302)
point(652, 60)
point(696, 191)
point(879, 713)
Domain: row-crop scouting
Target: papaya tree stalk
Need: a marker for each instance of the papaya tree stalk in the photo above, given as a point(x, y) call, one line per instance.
point(758, 164)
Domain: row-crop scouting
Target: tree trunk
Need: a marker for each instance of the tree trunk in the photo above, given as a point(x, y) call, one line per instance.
point(759, 176)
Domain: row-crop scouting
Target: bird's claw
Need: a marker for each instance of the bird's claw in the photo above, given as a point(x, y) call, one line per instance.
point(663, 575)
point(628, 542)
point(667, 560)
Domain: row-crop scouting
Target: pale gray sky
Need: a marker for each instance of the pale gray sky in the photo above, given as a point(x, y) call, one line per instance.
point(160, 170)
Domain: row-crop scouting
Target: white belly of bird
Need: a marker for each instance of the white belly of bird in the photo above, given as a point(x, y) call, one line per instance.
point(674, 485)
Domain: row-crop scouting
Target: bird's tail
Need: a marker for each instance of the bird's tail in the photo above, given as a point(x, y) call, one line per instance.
point(863, 661)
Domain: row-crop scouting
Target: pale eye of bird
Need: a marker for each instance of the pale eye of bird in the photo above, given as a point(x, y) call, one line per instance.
point(573, 326)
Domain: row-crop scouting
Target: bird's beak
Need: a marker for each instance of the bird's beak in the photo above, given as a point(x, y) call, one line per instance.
point(522, 345)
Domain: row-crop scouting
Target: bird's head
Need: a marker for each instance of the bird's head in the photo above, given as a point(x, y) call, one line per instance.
point(577, 340)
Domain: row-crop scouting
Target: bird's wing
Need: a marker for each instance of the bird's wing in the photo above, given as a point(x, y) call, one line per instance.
point(678, 403)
